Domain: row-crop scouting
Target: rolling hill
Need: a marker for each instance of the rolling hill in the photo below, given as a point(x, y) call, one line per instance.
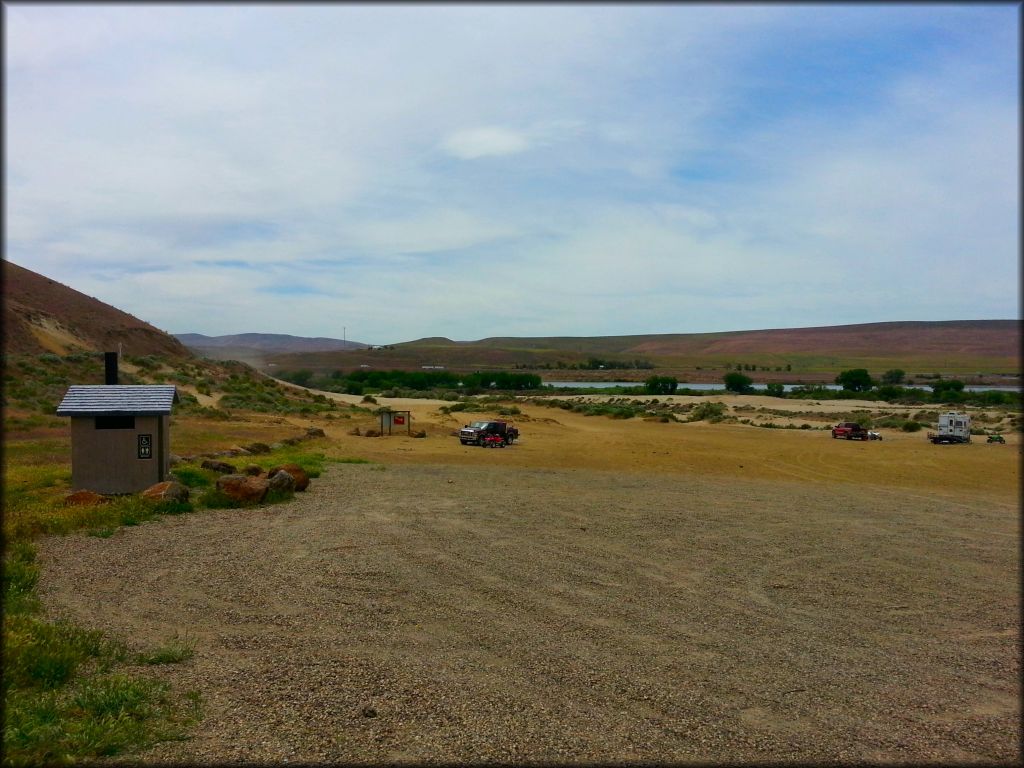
point(42, 315)
point(253, 348)
point(962, 347)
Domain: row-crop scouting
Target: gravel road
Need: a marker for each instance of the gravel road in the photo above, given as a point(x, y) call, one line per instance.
point(437, 613)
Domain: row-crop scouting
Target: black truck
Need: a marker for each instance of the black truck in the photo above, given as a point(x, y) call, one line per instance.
point(477, 432)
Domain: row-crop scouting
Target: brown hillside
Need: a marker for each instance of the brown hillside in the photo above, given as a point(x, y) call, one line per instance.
point(980, 338)
point(42, 315)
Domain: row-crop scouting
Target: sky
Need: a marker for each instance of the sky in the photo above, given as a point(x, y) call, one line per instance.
point(384, 173)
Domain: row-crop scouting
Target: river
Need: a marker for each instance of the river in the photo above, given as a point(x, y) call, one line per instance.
point(712, 387)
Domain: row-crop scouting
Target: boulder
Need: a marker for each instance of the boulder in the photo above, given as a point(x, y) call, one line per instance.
point(315, 432)
point(252, 470)
point(282, 480)
point(258, 448)
point(243, 488)
point(169, 490)
point(219, 466)
point(301, 478)
point(85, 499)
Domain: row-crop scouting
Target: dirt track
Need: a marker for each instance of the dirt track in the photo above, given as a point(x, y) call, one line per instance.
point(462, 604)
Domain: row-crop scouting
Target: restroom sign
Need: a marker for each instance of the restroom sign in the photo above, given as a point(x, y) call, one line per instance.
point(145, 446)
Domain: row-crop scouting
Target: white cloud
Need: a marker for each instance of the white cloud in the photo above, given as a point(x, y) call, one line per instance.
point(473, 143)
point(670, 167)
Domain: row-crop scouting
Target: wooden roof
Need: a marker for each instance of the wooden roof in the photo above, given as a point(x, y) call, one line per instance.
point(100, 399)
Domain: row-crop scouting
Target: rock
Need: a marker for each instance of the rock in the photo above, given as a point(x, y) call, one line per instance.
point(169, 490)
point(174, 459)
point(356, 431)
point(243, 488)
point(371, 433)
point(301, 478)
point(282, 480)
point(292, 440)
point(84, 499)
point(219, 466)
point(252, 470)
point(315, 432)
point(258, 448)
point(420, 433)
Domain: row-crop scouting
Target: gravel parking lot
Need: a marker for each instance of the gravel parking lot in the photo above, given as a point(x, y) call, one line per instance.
point(439, 613)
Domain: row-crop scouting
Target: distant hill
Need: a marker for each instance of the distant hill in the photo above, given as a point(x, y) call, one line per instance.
point(42, 315)
point(267, 342)
point(979, 338)
point(954, 346)
point(254, 348)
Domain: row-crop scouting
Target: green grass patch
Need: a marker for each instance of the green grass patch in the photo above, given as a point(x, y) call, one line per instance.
point(194, 477)
point(173, 651)
point(64, 699)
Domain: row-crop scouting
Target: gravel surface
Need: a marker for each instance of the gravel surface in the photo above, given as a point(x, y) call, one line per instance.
point(436, 613)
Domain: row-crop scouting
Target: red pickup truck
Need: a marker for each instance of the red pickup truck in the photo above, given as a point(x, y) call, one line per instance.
point(851, 430)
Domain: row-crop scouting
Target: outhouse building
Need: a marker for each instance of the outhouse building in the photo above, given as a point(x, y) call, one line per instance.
point(120, 435)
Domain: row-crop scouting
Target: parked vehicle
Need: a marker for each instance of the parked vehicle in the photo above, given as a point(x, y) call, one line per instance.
point(476, 432)
point(850, 430)
point(493, 441)
point(953, 428)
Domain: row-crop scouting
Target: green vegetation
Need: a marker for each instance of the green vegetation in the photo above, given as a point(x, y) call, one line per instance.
point(598, 363)
point(710, 412)
point(363, 381)
point(251, 392)
point(913, 396)
point(855, 380)
point(66, 696)
point(661, 385)
point(738, 382)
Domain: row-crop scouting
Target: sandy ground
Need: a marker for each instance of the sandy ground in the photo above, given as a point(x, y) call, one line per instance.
point(602, 590)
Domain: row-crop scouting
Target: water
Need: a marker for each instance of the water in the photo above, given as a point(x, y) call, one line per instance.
point(713, 387)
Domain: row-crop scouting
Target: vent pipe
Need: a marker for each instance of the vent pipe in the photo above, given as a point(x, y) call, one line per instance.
point(110, 367)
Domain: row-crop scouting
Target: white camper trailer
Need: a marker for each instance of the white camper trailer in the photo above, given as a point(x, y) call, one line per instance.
point(953, 428)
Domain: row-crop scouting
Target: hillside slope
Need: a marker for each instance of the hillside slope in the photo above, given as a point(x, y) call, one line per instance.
point(976, 338)
point(961, 347)
point(42, 315)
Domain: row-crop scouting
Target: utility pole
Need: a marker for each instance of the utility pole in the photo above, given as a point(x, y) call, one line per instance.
point(344, 340)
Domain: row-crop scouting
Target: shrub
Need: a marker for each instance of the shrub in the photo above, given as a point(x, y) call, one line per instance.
point(855, 380)
point(738, 382)
point(661, 385)
point(712, 412)
point(911, 426)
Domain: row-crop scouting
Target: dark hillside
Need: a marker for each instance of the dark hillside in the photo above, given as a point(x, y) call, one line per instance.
point(42, 315)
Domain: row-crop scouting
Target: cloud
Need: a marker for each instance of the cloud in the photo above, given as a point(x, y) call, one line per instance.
point(485, 142)
point(504, 170)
